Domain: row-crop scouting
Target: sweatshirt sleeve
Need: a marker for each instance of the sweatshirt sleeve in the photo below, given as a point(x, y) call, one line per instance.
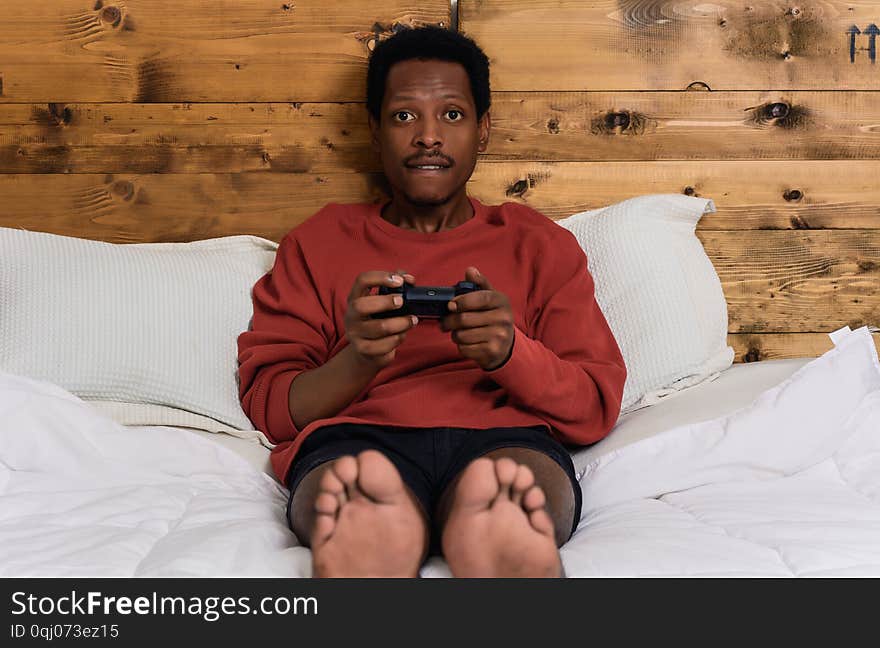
point(571, 372)
point(290, 333)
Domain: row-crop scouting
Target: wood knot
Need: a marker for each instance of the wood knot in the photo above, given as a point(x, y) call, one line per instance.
point(286, 7)
point(777, 110)
point(111, 15)
point(792, 195)
point(553, 125)
point(518, 188)
point(59, 114)
point(123, 189)
point(616, 120)
point(786, 55)
point(752, 355)
point(689, 191)
point(722, 23)
point(867, 266)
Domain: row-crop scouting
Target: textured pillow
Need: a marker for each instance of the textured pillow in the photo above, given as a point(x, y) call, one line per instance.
point(658, 290)
point(146, 332)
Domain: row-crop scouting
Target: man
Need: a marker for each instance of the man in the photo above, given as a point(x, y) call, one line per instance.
point(401, 438)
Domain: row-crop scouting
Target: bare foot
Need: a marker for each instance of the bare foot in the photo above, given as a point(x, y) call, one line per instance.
point(498, 526)
point(367, 522)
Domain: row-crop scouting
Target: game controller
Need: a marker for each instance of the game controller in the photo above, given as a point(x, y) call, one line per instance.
point(425, 301)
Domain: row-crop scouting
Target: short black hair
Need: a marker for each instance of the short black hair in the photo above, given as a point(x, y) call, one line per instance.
point(427, 43)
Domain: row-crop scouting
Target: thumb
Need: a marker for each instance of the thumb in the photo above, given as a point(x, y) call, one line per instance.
point(473, 274)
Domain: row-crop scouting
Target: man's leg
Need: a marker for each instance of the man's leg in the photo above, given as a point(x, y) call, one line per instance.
point(360, 519)
point(506, 513)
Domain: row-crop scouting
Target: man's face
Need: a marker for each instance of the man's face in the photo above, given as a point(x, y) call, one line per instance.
point(429, 120)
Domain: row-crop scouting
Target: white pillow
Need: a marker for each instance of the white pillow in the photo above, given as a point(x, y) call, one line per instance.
point(146, 332)
point(658, 290)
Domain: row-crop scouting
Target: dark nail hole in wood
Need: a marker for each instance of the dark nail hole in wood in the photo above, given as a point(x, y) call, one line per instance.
point(689, 191)
point(286, 7)
point(792, 195)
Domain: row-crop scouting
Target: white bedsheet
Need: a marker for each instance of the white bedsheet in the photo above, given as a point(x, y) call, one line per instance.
point(745, 492)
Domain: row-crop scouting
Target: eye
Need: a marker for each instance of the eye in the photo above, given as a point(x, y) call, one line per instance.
point(397, 116)
point(454, 115)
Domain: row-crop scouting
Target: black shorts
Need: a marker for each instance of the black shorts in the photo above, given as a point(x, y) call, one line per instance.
point(428, 459)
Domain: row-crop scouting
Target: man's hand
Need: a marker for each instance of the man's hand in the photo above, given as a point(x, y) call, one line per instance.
point(481, 323)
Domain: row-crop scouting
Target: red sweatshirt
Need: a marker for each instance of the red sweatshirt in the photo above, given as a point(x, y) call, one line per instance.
point(565, 371)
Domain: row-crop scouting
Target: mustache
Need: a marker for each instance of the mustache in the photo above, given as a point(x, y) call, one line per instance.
point(421, 158)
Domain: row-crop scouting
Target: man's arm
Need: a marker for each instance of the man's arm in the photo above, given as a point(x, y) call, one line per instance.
point(290, 338)
point(571, 371)
point(327, 390)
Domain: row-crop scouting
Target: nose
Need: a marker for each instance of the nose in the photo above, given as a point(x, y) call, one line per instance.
point(428, 134)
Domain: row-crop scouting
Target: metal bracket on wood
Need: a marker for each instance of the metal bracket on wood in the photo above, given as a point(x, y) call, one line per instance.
point(453, 15)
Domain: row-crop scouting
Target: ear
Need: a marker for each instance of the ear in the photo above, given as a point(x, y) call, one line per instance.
point(374, 133)
point(484, 127)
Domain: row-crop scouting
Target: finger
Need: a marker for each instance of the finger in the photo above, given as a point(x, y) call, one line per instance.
point(475, 301)
point(406, 276)
point(473, 274)
point(472, 319)
point(382, 328)
point(366, 281)
point(371, 304)
point(473, 335)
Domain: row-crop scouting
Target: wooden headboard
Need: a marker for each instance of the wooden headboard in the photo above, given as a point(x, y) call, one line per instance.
point(149, 120)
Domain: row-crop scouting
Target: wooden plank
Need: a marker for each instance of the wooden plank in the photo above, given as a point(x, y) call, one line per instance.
point(185, 138)
point(748, 195)
point(666, 45)
point(608, 126)
point(127, 208)
point(751, 347)
point(773, 281)
point(163, 51)
point(797, 281)
point(333, 137)
point(761, 194)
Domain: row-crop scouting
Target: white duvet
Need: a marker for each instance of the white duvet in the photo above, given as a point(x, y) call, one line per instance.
point(788, 486)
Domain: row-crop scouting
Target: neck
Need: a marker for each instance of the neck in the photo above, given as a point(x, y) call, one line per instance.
point(427, 219)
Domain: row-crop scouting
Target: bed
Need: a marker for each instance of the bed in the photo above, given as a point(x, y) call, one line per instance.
point(86, 496)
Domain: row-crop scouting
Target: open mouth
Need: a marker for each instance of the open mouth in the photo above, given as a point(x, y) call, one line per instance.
point(427, 168)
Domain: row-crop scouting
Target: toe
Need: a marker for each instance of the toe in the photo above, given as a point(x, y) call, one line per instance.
point(478, 485)
point(378, 478)
point(523, 481)
point(505, 472)
point(327, 504)
point(534, 499)
point(346, 471)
